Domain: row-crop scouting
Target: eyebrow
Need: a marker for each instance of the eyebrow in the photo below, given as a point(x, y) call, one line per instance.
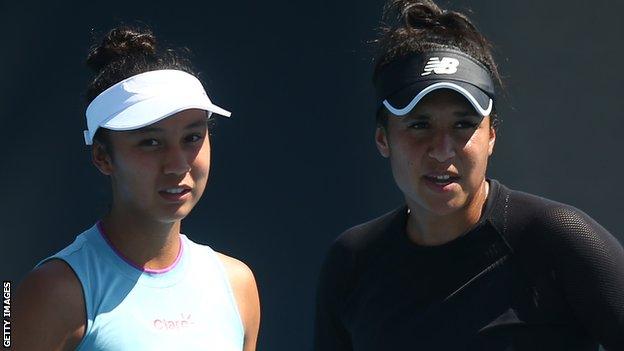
point(148, 129)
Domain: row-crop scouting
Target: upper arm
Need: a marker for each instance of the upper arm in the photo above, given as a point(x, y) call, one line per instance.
point(333, 286)
point(589, 263)
point(49, 311)
point(246, 294)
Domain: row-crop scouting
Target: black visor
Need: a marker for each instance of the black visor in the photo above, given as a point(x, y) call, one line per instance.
point(403, 83)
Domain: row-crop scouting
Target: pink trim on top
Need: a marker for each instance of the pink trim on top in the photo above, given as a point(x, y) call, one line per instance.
point(134, 265)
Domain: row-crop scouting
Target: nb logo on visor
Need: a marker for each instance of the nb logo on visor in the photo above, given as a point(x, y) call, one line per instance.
point(447, 65)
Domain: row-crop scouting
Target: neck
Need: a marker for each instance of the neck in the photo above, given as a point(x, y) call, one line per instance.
point(428, 229)
point(145, 242)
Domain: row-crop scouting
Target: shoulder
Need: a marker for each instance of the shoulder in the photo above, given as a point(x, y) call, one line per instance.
point(371, 233)
point(547, 215)
point(51, 295)
point(556, 227)
point(574, 234)
point(524, 206)
point(518, 210)
point(239, 274)
point(582, 258)
point(245, 293)
point(354, 246)
point(53, 279)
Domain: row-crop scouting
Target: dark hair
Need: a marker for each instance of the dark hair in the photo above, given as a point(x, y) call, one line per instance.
point(124, 52)
point(417, 26)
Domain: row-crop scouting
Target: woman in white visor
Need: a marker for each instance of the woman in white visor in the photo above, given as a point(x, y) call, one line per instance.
point(132, 281)
point(465, 263)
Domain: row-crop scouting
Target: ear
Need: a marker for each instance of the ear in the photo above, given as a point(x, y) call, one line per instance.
point(101, 159)
point(381, 139)
point(492, 140)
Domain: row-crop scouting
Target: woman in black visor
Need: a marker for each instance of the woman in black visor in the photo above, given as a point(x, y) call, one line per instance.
point(466, 263)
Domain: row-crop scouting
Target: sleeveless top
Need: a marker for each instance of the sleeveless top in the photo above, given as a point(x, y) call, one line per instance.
point(188, 306)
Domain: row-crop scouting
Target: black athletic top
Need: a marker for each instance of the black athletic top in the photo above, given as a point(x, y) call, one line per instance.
point(532, 274)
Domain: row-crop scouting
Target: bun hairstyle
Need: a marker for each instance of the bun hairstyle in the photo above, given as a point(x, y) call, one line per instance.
point(125, 52)
point(417, 26)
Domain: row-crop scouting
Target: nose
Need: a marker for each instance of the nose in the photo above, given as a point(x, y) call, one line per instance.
point(176, 161)
point(442, 147)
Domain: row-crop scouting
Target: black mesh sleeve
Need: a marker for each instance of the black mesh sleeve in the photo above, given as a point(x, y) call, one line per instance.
point(329, 332)
point(589, 264)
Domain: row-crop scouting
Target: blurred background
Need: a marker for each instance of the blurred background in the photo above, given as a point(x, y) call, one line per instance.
point(297, 165)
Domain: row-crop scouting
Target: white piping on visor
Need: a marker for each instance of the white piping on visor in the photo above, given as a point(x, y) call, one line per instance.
point(147, 98)
point(405, 110)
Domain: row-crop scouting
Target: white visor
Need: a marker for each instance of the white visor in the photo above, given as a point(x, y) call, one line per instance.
point(145, 99)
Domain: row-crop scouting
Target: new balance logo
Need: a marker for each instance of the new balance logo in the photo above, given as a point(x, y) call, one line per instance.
point(447, 65)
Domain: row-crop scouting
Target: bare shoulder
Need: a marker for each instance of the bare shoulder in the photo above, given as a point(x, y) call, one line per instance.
point(246, 294)
point(241, 279)
point(49, 309)
point(238, 272)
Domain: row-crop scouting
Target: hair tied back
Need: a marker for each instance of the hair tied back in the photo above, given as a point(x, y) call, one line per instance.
point(119, 44)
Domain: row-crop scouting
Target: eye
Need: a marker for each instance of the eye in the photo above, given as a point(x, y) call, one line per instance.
point(466, 124)
point(193, 138)
point(149, 142)
point(418, 125)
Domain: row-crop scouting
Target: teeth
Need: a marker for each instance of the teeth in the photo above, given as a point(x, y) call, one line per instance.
point(174, 190)
point(443, 177)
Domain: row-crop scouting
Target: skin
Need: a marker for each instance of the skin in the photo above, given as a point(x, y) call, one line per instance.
point(443, 134)
point(143, 225)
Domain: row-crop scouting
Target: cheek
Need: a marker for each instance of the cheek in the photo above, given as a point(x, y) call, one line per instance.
point(201, 168)
point(407, 147)
point(201, 164)
point(134, 177)
point(476, 151)
point(136, 169)
point(406, 158)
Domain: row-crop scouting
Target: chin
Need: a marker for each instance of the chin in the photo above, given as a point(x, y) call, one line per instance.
point(444, 209)
point(174, 214)
point(441, 205)
point(170, 219)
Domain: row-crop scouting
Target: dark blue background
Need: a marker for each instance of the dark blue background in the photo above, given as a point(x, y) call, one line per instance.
point(296, 165)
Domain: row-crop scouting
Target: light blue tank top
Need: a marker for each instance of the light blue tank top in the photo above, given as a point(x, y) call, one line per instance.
point(189, 306)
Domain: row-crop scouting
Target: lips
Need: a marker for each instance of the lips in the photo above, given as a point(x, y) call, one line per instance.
point(442, 179)
point(175, 194)
point(441, 182)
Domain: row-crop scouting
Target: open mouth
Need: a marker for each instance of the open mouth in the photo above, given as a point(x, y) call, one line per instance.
point(441, 180)
point(174, 193)
point(176, 190)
